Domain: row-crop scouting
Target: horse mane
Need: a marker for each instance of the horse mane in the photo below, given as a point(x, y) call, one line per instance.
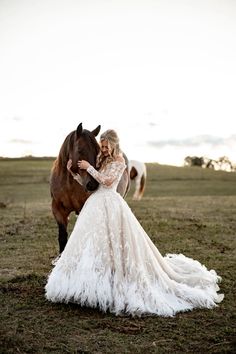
point(59, 165)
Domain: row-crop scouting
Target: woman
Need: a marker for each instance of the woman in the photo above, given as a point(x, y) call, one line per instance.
point(110, 262)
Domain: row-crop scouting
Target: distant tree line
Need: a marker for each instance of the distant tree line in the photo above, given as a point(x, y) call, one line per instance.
point(223, 163)
point(29, 157)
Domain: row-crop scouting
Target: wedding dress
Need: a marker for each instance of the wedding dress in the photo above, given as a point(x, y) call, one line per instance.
point(110, 262)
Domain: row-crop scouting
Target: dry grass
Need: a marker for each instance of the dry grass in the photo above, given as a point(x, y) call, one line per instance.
point(184, 210)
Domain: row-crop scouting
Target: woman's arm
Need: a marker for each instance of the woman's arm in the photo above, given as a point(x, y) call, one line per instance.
point(105, 179)
point(113, 171)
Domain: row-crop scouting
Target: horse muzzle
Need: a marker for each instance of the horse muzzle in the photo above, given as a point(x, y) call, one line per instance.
point(92, 185)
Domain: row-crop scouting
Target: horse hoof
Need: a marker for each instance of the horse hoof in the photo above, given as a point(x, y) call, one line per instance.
point(54, 261)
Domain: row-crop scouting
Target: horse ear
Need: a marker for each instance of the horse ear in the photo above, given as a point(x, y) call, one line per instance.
point(79, 130)
point(96, 131)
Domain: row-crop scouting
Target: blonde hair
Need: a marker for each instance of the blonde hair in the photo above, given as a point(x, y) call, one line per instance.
point(113, 148)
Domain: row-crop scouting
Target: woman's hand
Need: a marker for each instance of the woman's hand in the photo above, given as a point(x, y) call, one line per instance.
point(69, 164)
point(83, 165)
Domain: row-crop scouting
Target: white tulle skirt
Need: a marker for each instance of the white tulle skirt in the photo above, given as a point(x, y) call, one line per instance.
point(110, 263)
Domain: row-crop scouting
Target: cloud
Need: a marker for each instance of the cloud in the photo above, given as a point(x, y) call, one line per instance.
point(194, 141)
point(17, 119)
point(20, 141)
point(152, 124)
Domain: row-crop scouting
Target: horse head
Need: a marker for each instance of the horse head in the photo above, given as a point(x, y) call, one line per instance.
point(85, 147)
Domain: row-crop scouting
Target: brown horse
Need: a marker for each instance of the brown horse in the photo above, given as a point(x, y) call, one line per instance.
point(67, 194)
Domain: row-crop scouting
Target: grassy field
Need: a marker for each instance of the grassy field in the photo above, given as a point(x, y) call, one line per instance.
point(184, 210)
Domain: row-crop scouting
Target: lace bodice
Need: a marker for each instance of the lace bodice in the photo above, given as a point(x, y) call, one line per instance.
point(110, 175)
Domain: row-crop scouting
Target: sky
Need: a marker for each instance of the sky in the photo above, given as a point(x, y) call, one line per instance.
point(162, 73)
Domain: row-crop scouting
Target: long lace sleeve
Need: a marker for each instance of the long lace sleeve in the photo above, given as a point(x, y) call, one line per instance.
point(112, 172)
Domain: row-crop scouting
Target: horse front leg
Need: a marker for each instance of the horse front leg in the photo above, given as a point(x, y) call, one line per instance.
point(61, 216)
point(62, 236)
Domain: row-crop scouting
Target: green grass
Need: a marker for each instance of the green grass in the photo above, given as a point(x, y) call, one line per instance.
point(184, 210)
